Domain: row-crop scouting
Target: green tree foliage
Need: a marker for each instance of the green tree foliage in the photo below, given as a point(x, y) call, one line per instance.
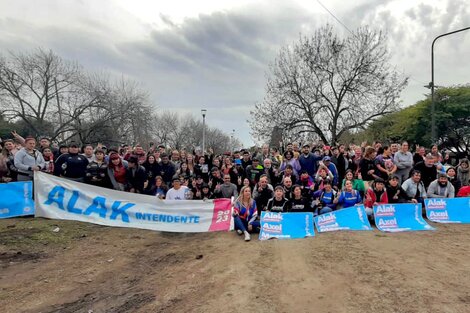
point(414, 123)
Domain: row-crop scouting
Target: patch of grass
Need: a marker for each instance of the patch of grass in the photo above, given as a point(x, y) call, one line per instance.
point(35, 233)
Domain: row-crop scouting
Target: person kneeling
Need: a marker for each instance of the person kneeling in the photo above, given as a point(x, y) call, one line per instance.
point(245, 214)
point(324, 199)
point(376, 194)
point(441, 188)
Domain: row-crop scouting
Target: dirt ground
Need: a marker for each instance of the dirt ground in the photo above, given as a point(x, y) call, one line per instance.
point(90, 268)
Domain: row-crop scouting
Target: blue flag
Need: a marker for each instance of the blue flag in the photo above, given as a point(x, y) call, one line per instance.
point(400, 217)
point(286, 225)
point(16, 199)
point(352, 218)
point(453, 210)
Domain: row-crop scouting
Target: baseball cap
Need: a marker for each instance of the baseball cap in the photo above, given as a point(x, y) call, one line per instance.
point(326, 158)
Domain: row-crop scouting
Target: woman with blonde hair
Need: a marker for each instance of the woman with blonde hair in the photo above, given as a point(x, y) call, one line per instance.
point(245, 213)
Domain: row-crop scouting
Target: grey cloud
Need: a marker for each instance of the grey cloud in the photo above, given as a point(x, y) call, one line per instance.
point(218, 61)
point(220, 41)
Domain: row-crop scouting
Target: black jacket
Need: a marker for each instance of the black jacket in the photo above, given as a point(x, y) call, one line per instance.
point(136, 178)
point(428, 174)
point(71, 165)
point(399, 193)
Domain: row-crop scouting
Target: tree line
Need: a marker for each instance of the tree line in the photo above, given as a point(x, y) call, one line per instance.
point(329, 88)
point(42, 94)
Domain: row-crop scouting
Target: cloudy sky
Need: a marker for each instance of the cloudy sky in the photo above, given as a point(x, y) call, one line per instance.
point(215, 54)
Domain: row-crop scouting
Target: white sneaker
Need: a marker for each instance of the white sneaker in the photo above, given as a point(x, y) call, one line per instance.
point(239, 232)
point(247, 236)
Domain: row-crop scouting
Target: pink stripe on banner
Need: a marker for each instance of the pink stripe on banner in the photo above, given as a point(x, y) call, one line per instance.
point(221, 217)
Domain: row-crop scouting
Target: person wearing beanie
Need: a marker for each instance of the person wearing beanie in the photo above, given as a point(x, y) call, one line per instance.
point(71, 165)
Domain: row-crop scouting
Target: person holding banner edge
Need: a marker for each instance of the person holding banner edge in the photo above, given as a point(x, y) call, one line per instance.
point(414, 187)
point(395, 193)
point(324, 199)
point(441, 187)
point(376, 194)
point(348, 197)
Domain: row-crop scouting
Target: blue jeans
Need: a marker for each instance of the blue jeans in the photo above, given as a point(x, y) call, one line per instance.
point(322, 210)
point(243, 224)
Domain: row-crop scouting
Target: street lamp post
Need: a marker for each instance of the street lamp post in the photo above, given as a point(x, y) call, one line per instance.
point(232, 135)
point(203, 112)
point(433, 114)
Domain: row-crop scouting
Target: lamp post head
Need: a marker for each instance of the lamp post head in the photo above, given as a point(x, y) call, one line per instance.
point(203, 112)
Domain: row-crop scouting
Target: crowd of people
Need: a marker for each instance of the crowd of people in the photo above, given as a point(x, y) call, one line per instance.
point(296, 178)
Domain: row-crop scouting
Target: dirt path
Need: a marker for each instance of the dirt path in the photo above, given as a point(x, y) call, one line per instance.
point(101, 269)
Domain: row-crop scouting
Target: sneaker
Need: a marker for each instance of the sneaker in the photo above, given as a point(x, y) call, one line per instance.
point(247, 236)
point(239, 232)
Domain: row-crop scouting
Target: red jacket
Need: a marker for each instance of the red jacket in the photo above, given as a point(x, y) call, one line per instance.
point(370, 198)
point(464, 192)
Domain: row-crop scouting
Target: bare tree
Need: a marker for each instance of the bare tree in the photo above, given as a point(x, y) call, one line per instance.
point(132, 116)
point(30, 85)
point(325, 85)
point(185, 132)
point(58, 98)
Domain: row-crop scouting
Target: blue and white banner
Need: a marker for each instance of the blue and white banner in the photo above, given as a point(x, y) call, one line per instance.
point(352, 218)
point(286, 225)
point(454, 210)
point(16, 199)
point(64, 199)
point(400, 217)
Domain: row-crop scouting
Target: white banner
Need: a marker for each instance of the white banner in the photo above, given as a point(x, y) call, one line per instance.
point(59, 198)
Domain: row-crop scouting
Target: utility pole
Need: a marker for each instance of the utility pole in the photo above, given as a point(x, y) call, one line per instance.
point(203, 112)
point(431, 84)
